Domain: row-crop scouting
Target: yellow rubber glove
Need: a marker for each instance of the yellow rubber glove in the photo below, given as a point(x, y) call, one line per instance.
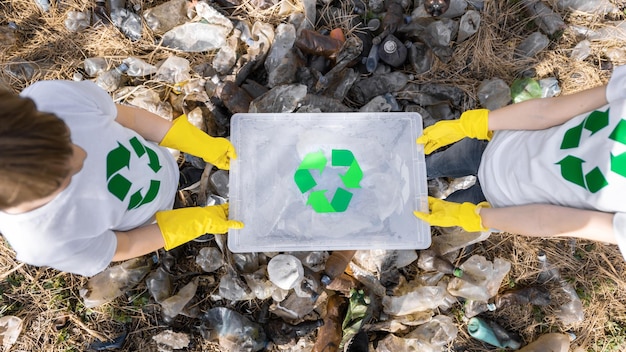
point(182, 225)
point(472, 123)
point(448, 214)
point(187, 138)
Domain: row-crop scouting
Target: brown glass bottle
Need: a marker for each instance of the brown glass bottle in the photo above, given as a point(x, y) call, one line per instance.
point(335, 265)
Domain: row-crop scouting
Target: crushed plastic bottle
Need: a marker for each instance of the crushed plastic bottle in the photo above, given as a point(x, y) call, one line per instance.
point(535, 295)
point(260, 286)
point(284, 39)
point(138, 67)
point(551, 342)
point(524, 89)
point(219, 181)
point(44, 5)
point(234, 289)
point(371, 61)
point(10, 329)
point(472, 308)
point(437, 333)
point(209, 259)
point(174, 305)
point(468, 25)
point(226, 57)
point(455, 238)
point(163, 17)
point(329, 335)
point(418, 300)
point(571, 311)
point(599, 7)
point(232, 331)
point(492, 333)
point(76, 21)
point(489, 276)
point(196, 37)
point(429, 260)
point(170, 340)
point(112, 79)
point(549, 87)
point(314, 260)
point(546, 19)
point(285, 98)
point(494, 93)
point(532, 45)
point(173, 70)
point(420, 56)
point(285, 271)
point(292, 307)
point(159, 284)
point(128, 22)
point(113, 282)
point(314, 43)
point(94, 66)
point(283, 333)
point(364, 90)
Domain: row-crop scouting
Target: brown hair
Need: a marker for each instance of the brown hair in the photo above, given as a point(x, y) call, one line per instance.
point(35, 151)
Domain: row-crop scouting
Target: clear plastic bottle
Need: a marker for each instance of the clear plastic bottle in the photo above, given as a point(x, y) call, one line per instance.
point(110, 80)
point(138, 67)
point(335, 265)
point(552, 342)
point(94, 65)
point(571, 311)
point(429, 260)
point(44, 5)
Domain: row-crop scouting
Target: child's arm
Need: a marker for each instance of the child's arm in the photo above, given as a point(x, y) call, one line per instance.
point(537, 114)
point(137, 242)
point(150, 126)
point(550, 220)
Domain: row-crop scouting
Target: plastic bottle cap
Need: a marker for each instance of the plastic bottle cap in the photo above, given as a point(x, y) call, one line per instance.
point(390, 47)
point(458, 272)
point(326, 280)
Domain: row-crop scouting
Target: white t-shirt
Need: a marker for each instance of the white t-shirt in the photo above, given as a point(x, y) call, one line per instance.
point(579, 164)
point(124, 181)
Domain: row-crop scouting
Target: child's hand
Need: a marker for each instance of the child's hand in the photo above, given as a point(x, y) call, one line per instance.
point(472, 123)
point(448, 214)
point(189, 139)
point(182, 225)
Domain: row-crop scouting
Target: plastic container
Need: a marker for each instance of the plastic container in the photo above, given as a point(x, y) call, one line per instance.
point(277, 190)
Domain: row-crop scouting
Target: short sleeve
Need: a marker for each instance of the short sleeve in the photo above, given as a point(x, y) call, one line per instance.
point(72, 101)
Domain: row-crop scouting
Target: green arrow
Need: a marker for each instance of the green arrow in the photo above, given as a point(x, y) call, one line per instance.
point(595, 180)
point(571, 139)
point(354, 175)
point(119, 186)
point(341, 199)
point(315, 160)
point(139, 148)
point(572, 170)
point(618, 164)
point(137, 200)
point(304, 180)
point(619, 133)
point(596, 121)
point(117, 159)
point(317, 200)
point(154, 160)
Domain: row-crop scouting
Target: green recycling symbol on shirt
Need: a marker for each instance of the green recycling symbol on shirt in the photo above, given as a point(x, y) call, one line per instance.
point(317, 199)
point(572, 167)
point(118, 185)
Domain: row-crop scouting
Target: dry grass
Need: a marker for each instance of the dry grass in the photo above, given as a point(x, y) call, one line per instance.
point(48, 301)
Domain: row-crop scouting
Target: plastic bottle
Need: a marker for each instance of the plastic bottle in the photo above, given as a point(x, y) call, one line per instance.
point(468, 25)
point(110, 80)
point(128, 22)
point(285, 271)
point(571, 311)
point(113, 282)
point(10, 329)
point(436, 8)
point(392, 51)
point(138, 67)
point(535, 295)
point(94, 65)
point(491, 333)
point(235, 98)
point(335, 265)
point(420, 56)
point(364, 90)
point(76, 21)
point(159, 284)
point(552, 342)
point(233, 331)
point(429, 260)
point(314, 43)
point(494, 93)
point(533, 44)
point(209, 259)
point(226, 57)
point(219, 181)
point(100, 12)
point(371, 61)
point(473, 308)
point(282, 333)
point(196, 37)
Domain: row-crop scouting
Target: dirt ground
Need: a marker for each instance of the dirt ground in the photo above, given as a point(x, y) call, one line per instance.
point(49, 303)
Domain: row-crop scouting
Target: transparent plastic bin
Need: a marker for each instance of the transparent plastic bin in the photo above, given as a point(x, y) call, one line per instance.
point(373, 177)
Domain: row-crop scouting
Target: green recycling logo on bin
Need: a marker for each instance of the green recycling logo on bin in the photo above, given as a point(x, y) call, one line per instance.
point(318, 199)
point(118, 185)
point(572, 166)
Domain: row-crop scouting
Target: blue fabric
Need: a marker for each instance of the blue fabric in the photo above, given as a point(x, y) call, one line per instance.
point(458, 160)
